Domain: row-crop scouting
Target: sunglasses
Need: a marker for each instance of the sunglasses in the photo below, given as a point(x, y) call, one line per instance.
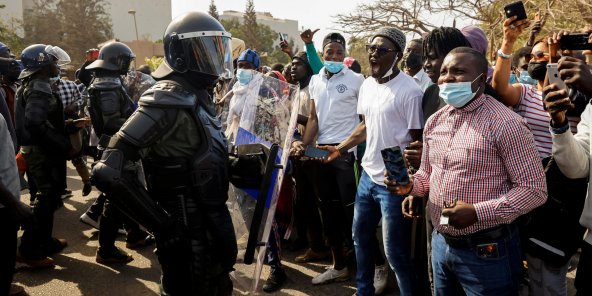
point(378, 49)
point(537, 55)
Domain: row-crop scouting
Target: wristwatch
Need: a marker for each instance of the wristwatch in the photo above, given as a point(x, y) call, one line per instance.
point(502, 55)
point(559, 130)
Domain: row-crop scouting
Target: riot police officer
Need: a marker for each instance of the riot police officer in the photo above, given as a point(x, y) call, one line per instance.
point(45, 147)
point(109, 108)
point(176, 134)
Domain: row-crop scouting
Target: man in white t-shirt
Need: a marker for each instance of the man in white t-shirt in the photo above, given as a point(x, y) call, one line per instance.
point(333, 117)
point(390, 103)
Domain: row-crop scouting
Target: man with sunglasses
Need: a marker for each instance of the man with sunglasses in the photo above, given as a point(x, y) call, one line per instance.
point(390, 104)
point(333, 117)
point(480, 170)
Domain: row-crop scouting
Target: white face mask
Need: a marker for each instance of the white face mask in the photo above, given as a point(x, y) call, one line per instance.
point(390, 70)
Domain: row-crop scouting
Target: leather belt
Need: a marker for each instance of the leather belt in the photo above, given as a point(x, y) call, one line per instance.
point(482, 237)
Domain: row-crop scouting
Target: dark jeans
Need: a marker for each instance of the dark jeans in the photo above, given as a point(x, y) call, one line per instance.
point(111, 221)
point(583, 281)
point(273, 251)
point(306, 210)
point(8, 234)
point(335, 186)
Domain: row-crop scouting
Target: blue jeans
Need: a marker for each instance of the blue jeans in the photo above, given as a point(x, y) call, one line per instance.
point(374, 202)
point(462, 271)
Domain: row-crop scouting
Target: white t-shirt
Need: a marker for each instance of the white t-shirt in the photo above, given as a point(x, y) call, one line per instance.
point(390, 110)
point(336, 101)
point(423, 80)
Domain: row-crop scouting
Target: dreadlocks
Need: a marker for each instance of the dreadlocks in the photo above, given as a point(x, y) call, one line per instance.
point(443, 40)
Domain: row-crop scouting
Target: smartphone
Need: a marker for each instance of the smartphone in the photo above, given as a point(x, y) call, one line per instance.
point(282, 39)
point(395, 165)
point(554, 77)
point(314, 152)
point(576, 41)
point(515, 9)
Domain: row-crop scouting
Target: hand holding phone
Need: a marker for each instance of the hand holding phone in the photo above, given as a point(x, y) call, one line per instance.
point(553, 74)
point(576, 41)
point(395, 165)
point(314, 152)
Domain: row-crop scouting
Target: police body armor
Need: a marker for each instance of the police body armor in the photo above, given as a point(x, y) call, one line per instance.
point(185, 202)
point(108, 98)
point(39, 117)
point(206, 172)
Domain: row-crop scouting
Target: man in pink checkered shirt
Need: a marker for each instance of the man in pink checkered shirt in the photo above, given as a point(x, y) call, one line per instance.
point(481, 170)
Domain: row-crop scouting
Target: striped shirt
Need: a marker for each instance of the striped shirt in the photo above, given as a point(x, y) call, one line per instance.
point(531, 109)
point(482, 154)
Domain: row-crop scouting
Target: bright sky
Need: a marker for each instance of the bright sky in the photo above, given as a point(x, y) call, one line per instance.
point(309, 13)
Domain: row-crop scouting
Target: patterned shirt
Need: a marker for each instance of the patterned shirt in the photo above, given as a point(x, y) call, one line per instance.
point(68, 92)
point(484, 155)
point(531, 109)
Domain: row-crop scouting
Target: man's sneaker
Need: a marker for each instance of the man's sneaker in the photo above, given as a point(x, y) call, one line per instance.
point(67, 193)
point(380, 278)
point(86, 189)
point(90, 221)
point(113, 256)
point(34, 263)
point(331, 275)
point(275, 281)
point(311, 255)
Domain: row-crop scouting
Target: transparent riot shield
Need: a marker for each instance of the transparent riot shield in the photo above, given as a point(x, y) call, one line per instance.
point(267, 115)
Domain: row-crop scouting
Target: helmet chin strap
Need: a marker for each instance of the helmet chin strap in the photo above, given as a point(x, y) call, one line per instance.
point(390, 70)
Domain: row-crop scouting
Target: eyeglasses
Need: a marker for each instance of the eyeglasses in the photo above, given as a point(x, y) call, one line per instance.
point(380, 50)
point(537, 55)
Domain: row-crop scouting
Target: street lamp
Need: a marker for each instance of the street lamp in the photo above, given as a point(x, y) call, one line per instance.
point(133, 12)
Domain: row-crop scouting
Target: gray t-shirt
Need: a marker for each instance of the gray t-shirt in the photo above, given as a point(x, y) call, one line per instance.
point(8, 171)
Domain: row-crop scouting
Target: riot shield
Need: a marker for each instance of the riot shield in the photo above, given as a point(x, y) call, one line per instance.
point(266, 114)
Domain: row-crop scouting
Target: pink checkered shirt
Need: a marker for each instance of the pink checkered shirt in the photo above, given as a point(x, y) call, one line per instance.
point(484, 155)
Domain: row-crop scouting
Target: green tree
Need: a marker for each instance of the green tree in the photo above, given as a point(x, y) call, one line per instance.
point(213, 10)
point(74, 25)
point(357, 50)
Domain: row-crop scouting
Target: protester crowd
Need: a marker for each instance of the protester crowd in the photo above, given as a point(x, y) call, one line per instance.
point(497, 154)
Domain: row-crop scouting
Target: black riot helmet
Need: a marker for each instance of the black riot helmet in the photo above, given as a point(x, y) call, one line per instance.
point(114, 56)
point(196, 42)
point(37, 56)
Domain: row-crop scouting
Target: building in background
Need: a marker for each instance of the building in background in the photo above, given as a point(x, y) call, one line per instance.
point(284, 26)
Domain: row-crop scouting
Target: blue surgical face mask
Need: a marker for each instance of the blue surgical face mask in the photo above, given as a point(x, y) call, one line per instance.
point(513, 78)
point(525, 78)
point(458, 94)
point(333, 67)
point(244, 76)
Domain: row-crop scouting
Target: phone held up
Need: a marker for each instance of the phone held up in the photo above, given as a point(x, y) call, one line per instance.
point(395, 165)
point(576, 41)
point(515, 9)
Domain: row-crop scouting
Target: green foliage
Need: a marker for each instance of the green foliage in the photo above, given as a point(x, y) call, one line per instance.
point(9, 36)
point(213, 10)
point(74, 25)
point(357, 50)
point(153, 62)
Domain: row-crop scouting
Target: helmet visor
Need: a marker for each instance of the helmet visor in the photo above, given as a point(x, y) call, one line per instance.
point(62, 57)
point(209, 54)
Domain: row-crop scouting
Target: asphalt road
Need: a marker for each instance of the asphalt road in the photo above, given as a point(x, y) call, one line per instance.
point(77, 273)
